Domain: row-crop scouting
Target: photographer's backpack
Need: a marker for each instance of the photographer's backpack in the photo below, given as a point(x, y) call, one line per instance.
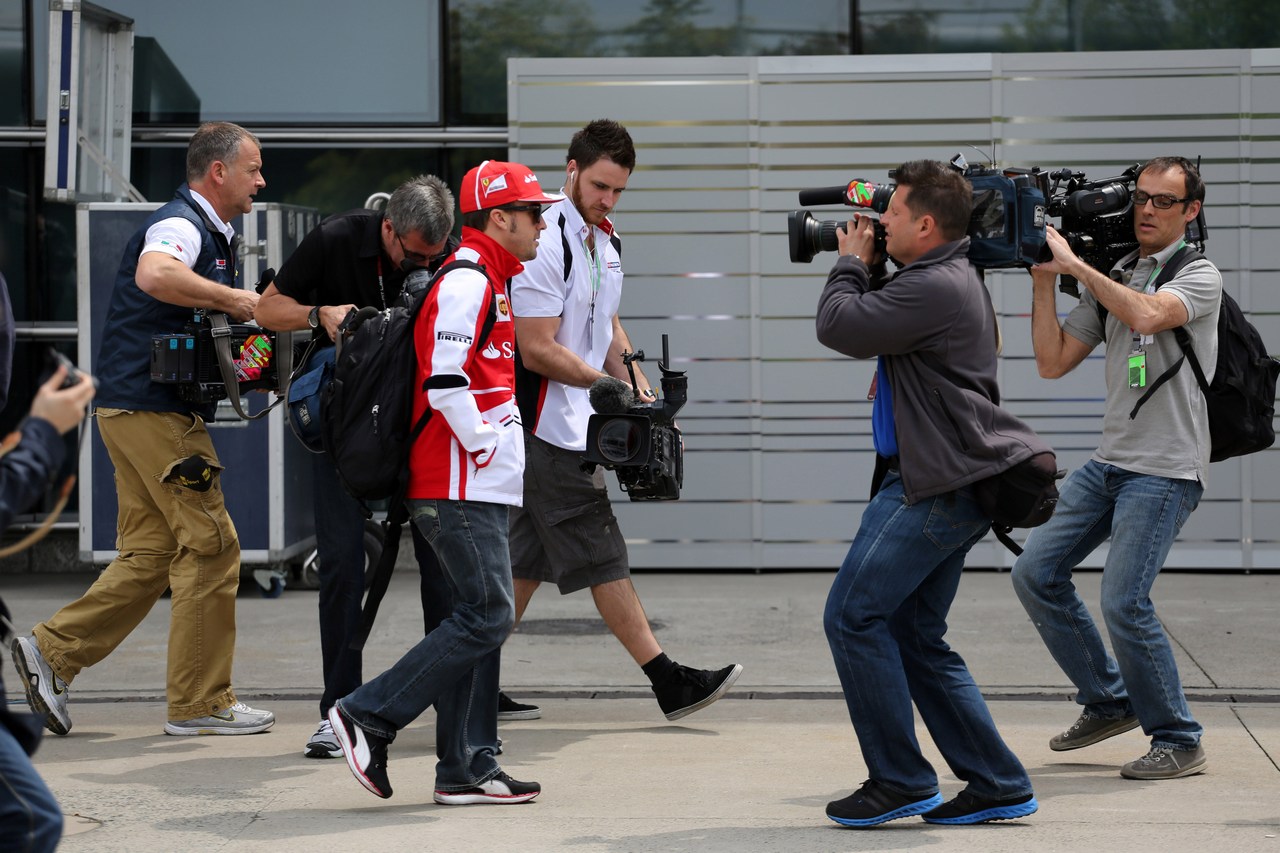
point(367, 424)
point(1242, 396)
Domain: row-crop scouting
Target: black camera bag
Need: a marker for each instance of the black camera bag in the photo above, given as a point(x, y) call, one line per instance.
point(1024, 495)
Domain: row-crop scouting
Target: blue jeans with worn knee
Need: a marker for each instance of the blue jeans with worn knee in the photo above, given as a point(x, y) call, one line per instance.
point(885, 619)
point(1141, 514)
point(30, 818)
point(455, 667)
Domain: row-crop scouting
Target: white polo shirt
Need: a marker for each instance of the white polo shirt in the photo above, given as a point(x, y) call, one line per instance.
point(586, 304)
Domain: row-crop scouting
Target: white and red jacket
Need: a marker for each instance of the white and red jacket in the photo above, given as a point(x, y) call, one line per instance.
point(472, 447)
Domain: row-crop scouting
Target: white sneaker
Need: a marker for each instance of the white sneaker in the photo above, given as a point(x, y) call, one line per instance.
point(46, 692)
point(324, 743)
point(239, 719)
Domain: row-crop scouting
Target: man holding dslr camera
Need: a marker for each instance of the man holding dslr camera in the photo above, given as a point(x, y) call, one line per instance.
point(173, 530)
point(938, 429)
point(1143, 482)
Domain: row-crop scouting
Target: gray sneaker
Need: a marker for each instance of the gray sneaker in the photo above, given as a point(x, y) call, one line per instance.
point(239, 719)
point(1165, 763)
point(1088, 730)
point(46, 692)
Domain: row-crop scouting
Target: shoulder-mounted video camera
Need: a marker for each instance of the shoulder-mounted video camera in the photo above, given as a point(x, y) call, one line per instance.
point(211, 355)
point(1006, 228)
point(1097, 219)
point(1010, 209)
point(639, 441)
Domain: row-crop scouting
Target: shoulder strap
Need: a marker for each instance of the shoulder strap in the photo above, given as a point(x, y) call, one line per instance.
point(1180, 259)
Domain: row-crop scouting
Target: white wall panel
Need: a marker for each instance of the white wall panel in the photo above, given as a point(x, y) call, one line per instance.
point(778, 428)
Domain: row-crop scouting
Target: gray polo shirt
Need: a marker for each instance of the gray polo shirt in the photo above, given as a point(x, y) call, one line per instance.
point(1170, 435)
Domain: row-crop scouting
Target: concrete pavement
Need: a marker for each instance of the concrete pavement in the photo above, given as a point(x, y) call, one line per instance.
point(749, 773)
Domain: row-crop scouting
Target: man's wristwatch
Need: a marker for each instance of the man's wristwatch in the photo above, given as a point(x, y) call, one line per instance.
point(313, 319)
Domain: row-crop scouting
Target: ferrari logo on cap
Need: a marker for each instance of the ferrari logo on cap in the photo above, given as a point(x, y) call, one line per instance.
point(495, 184)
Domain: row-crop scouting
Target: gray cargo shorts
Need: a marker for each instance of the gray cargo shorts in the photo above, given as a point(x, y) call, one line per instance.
point(566, 532)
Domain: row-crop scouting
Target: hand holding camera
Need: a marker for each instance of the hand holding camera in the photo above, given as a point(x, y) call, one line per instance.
point(62, 399)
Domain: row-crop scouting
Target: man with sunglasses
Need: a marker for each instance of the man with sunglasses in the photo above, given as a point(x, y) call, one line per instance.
point(352, 260)
point(1143, 481)
point(569, 335)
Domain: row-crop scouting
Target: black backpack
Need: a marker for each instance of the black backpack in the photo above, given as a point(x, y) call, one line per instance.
point(367, 414)
point(1242, 396)
point(367, 425)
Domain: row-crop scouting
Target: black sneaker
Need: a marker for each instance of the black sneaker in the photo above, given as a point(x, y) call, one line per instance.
point(689, 690)
point(873, 803)
point(500, 790)
point(509, 709)
point(366, 753)
point(967, 808)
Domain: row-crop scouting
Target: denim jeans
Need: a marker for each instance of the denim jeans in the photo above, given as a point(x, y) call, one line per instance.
point(1142, 515)
point(885, 619)
point(30, 817)
point(455, 667)
point(340, 549)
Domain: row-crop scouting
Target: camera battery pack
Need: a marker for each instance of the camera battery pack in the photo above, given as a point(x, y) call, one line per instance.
point(173, 358)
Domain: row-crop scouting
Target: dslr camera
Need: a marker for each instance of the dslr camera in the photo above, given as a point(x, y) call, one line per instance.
point(639, 441)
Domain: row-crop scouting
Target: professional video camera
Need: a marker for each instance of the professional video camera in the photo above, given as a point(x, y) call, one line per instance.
point(192, 361)
point(1009, 213)
point(639, 441)
point(1006, 228)
point(1097, 219)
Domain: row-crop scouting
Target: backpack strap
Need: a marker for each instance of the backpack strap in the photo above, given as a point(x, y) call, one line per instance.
point(1180, 259)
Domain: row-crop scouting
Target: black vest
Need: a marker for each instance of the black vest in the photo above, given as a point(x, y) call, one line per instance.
point(123, 366)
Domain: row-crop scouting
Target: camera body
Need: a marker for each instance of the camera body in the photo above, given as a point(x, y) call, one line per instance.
point(189, 360)
point(1006, 228)
point(1097, 219)
point(639, 441)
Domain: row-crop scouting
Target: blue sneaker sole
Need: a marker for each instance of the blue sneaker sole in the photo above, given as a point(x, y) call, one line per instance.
point(997, 813)
point(905, 811)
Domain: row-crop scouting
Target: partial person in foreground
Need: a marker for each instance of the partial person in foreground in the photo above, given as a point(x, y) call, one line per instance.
point(1142, 483)
point(30, 818)
point(938, 429)
point(464, 472)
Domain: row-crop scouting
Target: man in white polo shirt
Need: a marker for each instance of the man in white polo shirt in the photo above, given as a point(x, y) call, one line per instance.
point(568, 335)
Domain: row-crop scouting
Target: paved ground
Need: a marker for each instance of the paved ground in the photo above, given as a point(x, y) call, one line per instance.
point(751, 773)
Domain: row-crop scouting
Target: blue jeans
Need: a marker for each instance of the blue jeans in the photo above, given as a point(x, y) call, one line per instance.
point(885, 618)
point(30, 818)
point(1142, 515)
point(455, 667)
point(340, 548)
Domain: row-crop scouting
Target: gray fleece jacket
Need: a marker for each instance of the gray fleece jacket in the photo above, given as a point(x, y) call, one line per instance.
point(934, 322)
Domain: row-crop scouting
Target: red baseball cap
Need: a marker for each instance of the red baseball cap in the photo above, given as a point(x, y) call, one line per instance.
point(494, 183)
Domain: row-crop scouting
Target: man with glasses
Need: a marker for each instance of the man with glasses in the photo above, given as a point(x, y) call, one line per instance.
point(351, 260)
point(464, 473)
point(569, 335)
point(1143, 481)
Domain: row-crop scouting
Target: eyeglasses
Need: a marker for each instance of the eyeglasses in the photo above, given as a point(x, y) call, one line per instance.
point(1162, 202)
point(417, 257)
point(534, 210)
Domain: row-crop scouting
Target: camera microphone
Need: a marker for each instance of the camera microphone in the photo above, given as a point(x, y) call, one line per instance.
point(824, 195)
point(267, 277)
point(611, 396)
